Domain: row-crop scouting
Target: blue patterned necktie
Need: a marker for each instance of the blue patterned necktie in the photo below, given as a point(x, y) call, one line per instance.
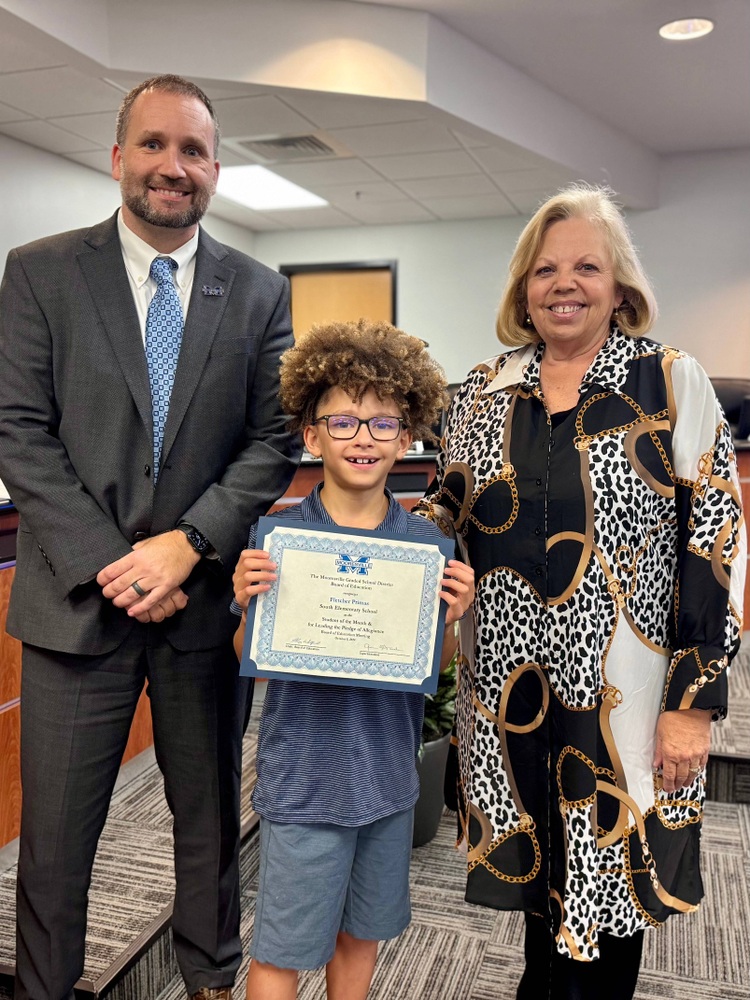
point(163, 339)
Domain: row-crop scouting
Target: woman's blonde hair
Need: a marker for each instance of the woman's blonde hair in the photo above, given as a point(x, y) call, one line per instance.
point(638, 311)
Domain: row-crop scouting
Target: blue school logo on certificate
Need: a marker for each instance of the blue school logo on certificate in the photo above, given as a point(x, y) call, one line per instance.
point(349, 564)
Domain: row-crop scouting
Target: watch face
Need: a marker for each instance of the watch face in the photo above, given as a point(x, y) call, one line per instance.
point(196, 539)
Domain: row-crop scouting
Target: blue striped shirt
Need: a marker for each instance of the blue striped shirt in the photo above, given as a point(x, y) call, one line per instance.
point(329, 753)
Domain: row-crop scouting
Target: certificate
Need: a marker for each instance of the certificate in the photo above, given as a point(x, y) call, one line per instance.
point(349, 607)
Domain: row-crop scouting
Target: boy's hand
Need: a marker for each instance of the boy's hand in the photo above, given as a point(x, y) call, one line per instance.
point(458, 589)
point(253, 575)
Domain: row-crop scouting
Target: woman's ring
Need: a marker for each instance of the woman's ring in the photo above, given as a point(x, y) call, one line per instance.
point(695, 770)
point(138, 589)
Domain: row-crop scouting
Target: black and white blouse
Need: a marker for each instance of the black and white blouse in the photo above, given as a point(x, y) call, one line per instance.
point(609, 553)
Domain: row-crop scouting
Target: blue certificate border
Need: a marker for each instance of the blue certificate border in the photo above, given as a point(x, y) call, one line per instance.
point(313, 537)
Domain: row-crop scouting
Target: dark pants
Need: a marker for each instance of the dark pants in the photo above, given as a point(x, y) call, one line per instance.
point(551, 976)
point(75, 718)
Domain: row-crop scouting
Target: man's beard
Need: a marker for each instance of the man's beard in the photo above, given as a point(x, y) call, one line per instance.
point(138, 203)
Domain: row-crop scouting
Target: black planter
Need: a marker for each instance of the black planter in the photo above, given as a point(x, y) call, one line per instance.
point(429, 807)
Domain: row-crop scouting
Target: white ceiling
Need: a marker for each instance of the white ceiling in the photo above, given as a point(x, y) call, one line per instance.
point(606, 56)
point(419, 160)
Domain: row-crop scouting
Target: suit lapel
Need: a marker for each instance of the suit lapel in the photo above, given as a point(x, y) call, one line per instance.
point(203, 319)
point(104, 270)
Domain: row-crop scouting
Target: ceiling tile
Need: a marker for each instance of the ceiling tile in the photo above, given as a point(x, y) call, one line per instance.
point(341, 110)
point(517, 181)
point(245, 117)
point(527, 202)
point(8, 114)
point(46, 136)
point(494, 159)
point(216, 90)
point(446, 187)
point(230, 158)
point(241, 216)
point(469, 139)
point(98, 128)
point(349, 194)
point(384, 140)
point(343, 171)
point(100, 159)
point(49, 93)
point(470, 207)
point(313, 218)
point(416, 165)
point(389, 212)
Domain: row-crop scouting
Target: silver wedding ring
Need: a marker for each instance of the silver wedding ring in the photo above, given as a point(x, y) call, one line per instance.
point(138, 588)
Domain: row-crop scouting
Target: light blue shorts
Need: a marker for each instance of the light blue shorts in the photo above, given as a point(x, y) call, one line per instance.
point(317, 879)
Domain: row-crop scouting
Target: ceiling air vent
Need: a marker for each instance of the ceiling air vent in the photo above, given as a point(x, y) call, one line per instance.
point(270, 149)
point(286, 148)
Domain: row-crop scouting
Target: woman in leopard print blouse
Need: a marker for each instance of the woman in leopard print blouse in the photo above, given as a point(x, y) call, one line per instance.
point(590, 475)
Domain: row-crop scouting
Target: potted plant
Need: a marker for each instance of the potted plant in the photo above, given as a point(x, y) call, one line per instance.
point(439, 710)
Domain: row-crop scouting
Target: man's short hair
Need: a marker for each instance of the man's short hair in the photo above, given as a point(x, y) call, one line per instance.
point(170, 84)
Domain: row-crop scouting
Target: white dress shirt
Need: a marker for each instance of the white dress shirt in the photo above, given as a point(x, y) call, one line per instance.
point(138, 255)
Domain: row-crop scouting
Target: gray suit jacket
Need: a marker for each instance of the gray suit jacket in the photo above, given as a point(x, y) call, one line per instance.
point(75, 432)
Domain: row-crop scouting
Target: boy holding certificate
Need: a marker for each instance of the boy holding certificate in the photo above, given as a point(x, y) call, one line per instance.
point(337, 780)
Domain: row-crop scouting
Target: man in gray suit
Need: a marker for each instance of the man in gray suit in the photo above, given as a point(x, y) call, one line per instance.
point(130, 529)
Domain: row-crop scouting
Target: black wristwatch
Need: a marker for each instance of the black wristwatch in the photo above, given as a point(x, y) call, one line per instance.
point(199, 542)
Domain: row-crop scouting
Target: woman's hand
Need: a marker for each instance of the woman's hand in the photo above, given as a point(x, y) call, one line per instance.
point(458, 589)
point(253, 575)
point(683, 739)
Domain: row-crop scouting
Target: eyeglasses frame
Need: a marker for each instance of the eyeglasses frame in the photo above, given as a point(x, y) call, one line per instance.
point(327, 416)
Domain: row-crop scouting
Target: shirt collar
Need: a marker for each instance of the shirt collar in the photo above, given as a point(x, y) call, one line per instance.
point(313, 509)
point(608, 370)
point(138, 255)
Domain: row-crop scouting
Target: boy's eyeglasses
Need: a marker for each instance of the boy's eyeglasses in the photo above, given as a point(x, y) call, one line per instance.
point(344, 427)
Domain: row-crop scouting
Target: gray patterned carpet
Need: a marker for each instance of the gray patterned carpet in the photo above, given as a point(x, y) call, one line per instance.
point(451, 951)
point(133, 878)
point(455, 951)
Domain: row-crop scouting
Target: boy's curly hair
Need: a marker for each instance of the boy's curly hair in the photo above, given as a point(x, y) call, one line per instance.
point(359, 356)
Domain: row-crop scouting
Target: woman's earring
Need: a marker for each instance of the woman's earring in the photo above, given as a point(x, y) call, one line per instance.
point(622, 308)
point(527, 321)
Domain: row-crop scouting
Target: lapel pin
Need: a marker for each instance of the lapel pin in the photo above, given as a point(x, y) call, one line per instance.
point(213, 290)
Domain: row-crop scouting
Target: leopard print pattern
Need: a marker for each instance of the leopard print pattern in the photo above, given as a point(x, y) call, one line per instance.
point(581, 889)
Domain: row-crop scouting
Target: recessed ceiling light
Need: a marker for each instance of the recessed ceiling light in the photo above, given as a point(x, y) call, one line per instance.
point(683, 31)
point(262, 190)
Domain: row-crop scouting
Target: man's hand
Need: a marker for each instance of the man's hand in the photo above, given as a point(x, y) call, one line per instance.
point(159, 565)
point(253, 575)
point(175, 601)
point(683, 739)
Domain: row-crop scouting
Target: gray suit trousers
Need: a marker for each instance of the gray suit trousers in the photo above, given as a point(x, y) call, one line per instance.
point(76, 714)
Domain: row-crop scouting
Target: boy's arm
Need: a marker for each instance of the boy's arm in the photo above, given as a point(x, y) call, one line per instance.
point(450, 645)
point(239, 637)
point(458, 593)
